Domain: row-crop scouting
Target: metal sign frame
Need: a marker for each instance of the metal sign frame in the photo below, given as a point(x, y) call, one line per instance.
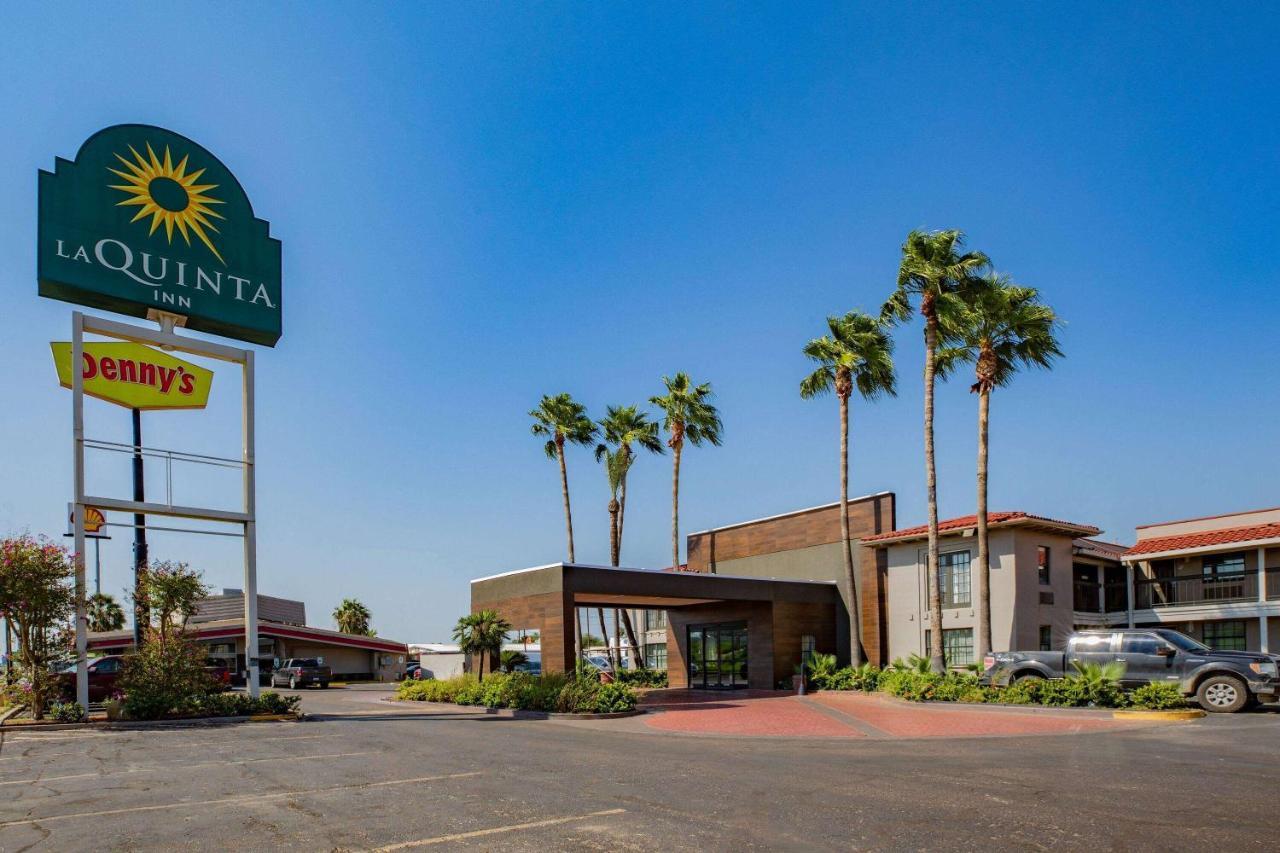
point(247, 517)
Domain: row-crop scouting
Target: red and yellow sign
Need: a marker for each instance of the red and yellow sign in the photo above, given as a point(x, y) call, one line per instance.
point(135, 376)
point(94, 520)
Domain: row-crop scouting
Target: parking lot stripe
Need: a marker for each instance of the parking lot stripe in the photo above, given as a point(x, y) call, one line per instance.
point(244, 798)
point(184, 765)
point(189, 745)
point(478, 833)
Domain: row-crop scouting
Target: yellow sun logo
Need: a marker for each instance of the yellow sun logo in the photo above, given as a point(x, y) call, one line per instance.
point(169, 195)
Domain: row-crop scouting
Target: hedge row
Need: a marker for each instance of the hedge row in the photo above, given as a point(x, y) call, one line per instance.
point(553, 692)
point(1080, 690)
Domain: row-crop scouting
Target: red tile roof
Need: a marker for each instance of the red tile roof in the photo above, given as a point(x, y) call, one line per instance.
point(1205, 539)
point(964, 522)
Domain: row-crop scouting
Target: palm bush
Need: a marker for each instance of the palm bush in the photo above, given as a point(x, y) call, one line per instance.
point(821, 668)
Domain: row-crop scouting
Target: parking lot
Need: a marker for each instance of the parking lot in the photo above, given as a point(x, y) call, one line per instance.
point(367, 775)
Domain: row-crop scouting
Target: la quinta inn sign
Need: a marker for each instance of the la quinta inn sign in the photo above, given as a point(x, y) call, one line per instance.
point(146, 220)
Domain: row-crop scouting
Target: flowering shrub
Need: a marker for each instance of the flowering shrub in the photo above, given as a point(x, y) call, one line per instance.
point(68, 712)
point(36, 598)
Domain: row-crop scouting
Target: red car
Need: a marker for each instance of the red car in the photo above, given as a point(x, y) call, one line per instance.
point(218, 670)
point(103, 673)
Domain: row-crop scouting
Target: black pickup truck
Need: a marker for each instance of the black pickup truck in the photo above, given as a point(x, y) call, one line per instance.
point(1221, 681)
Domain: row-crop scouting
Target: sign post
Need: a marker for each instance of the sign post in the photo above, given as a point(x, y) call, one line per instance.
point(148, 223)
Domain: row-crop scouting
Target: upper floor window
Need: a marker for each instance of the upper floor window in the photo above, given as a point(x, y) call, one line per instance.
point(954, 568)
point(655, 619)
point(1042, 563)
point(1223, 564)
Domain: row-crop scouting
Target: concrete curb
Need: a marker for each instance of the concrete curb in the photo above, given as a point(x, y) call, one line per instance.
point(10, 712)
point(1184, 714)
point(512, 713)
point(189, 722)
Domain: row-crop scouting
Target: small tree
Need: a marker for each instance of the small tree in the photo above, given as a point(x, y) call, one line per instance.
point(353, 617)
point(481, 634)
point(36, 598)
point(167, 674)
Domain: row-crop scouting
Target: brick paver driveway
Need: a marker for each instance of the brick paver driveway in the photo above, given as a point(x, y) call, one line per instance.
point(857, 715)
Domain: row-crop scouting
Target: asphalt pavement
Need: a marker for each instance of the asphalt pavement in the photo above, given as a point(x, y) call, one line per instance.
point(365, 774)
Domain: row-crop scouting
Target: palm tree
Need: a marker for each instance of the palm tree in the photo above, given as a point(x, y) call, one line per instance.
point(687, 416)
point(933, 268)
point(352, 617)
point(563, 419)
point(622, 427)
point(481, 634)
point(105, 614)
point(510, 659)
point(857, 352)
point(1005, 327)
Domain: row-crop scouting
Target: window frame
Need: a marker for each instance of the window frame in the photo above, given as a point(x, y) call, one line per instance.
point(1044, 567)
point(948, 592)
point(1221, 623)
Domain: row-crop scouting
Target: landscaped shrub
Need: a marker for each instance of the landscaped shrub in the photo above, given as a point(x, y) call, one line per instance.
point(553, 692)
point(614, 698)
point(643, 677)
point(910, 684)
point(820, 668)
point(68, 712)
point(1158, 696)
point(432, 690)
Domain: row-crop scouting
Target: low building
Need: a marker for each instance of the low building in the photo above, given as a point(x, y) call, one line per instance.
point(1037, 565)
point(218, 624)
point(1215, 578)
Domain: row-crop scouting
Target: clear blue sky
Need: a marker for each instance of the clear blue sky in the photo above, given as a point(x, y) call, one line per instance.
point(482, 204)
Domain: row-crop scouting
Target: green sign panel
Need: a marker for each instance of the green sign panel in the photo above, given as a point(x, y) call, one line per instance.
point(146, 219)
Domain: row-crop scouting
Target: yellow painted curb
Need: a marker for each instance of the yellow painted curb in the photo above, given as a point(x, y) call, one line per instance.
point(1187, 714)
point(270, 718)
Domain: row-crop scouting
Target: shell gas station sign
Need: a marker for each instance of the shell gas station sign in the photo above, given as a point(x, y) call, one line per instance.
point(135, 376)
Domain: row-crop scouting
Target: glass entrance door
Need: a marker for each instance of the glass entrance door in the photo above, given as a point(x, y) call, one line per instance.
point(718, 655)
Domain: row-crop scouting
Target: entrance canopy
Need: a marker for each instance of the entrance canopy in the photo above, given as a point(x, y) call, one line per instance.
point(544, 598)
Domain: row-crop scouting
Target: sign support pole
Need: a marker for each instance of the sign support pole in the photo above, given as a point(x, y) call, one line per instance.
point(77, 523)
point(250, 534)
point(140, 559)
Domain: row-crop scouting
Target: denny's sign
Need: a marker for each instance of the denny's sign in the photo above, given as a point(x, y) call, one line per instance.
point(135, 376)
point(146, 220)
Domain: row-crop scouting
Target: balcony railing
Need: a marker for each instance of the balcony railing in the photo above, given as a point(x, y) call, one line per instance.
point(1090, 597)
point(1171, 592)
point(1273, 583)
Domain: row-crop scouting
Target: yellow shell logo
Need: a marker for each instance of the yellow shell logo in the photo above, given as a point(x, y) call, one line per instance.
point(170, 195)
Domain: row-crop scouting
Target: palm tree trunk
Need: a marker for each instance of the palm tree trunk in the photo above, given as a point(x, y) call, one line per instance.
point(855, 620)
point(984, 557)
point(608, 647)
point(615, 554)
point(937, 661)
point(615, 510)
point(675, 508)
point(564, 491)
point(622, 503)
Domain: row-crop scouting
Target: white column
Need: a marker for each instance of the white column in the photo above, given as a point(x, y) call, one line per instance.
point(1128, 590)
point(250, 536)
point(1262, 598)
point(77, 525)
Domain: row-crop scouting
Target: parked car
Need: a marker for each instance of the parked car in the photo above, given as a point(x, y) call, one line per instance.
point(413, 672)
point(299, 672)
point(103, 673)
point(218, 672)
point(1221, 681)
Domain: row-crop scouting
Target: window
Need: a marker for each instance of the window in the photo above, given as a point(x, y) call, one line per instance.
point(655, 620)
point(1140, 644)
point(1223, 564)
point(954, 568)
point(655, 655)
point(957, 645)
point(808, 643)
point(1228, 636)
point(1042, 563)
point(1046, 638)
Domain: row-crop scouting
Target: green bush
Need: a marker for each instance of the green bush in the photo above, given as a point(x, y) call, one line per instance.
point(276, 703)
point(552, 692)
point(433, 690)
point(643, 677)
point(1158, 696)
point(68, 712)
point(615, 698)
